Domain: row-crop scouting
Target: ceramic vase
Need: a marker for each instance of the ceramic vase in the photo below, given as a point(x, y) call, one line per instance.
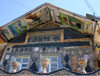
point(44, 62)
point(15, 66)
point(83, 64)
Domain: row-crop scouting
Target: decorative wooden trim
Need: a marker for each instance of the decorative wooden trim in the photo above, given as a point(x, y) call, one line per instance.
point(26, 39)
point(81, 39)
point(62, 36)
point(62, 40)
point(15, 43)
point(78, 47)
point(85, 46)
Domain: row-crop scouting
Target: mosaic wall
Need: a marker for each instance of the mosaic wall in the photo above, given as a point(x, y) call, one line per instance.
point(69, 56)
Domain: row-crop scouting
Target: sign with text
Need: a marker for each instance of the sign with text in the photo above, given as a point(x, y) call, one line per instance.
point(44, 38)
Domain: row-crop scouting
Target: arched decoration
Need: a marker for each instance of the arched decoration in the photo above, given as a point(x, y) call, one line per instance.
point(33, 67)
point(66, 58)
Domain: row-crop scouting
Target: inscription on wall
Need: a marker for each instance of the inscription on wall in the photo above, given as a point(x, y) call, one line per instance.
point(45, 38)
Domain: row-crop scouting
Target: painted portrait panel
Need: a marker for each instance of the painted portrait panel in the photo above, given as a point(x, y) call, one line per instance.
point(64, 19)
point(9, 35)
point(34, 19)
point(17, 27)
point(56, 15)
point(76, 23)
point(47, 14)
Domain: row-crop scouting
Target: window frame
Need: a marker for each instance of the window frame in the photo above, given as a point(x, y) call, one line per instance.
point(14, 58)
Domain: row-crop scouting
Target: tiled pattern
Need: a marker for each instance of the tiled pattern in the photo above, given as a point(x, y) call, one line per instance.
point(71, 52)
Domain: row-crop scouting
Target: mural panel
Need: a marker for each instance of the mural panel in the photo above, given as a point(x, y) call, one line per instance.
point(8, 34)
point(47, 14)
point(57, 16)
point(64, 19)
point(14, 29)
point(38, 17)
point(34, 19)
point(60, 17)
point(17, 27)
point(88, 28)
point(2, 40)
point(76, 24)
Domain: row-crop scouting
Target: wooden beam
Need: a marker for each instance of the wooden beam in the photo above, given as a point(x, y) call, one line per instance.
point(62, 36)
point(26, 39)
point(15, 43)
point(81, 39)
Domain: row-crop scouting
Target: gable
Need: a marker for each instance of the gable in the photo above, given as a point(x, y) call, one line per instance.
point(44, 14)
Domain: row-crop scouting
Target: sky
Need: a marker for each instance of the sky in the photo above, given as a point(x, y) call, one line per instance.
point(12, 9)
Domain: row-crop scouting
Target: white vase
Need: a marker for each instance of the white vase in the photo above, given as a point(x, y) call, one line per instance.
point(83, 64)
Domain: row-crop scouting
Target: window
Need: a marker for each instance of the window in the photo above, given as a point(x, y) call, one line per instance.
point(55, 62)
point(53, 65)
point(23, 60)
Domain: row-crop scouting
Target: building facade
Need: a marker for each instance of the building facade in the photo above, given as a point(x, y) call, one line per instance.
point(49, 40)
